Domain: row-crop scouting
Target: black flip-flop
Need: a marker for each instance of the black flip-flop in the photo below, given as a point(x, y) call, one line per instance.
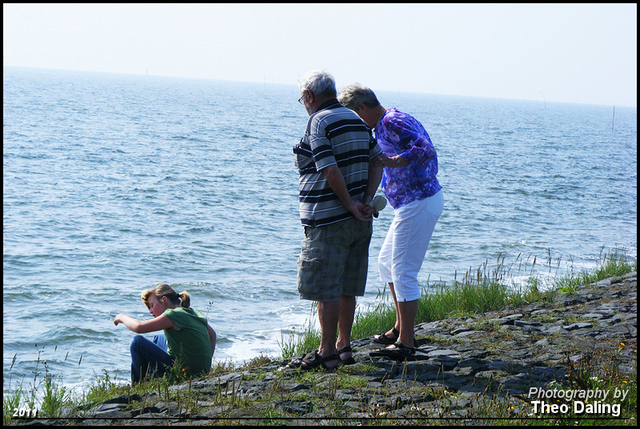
point(383, 339)
point(399, 352)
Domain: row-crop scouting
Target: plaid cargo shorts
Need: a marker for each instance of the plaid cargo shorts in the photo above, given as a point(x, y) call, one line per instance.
point(334, 260)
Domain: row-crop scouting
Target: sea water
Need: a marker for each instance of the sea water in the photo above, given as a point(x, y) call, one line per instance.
point(113, 183)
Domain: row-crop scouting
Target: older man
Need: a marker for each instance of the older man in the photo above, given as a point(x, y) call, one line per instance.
point(337, 182)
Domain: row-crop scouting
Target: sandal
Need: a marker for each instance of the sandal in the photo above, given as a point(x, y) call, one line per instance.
point(297, 360)
point(314, 360)
point(399, 352)
point(348, 360)
point(383, 339)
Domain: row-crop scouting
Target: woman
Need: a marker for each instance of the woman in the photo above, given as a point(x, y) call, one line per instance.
point(191, 341)
point(409, 182)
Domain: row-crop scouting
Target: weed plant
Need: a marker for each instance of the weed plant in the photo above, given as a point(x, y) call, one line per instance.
point(479, 291)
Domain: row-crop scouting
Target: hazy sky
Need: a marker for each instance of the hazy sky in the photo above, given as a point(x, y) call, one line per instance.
point(577, 53)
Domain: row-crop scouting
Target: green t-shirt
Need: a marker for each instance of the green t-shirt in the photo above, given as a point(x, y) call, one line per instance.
point(190, 343)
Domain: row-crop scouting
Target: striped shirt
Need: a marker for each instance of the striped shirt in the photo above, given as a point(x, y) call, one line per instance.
point(335, 135)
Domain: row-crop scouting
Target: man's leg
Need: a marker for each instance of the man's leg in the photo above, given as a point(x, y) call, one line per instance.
point(354, 279)
point(345, 321)
point(328, 314)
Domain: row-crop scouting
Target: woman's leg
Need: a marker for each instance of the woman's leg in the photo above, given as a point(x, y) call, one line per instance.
point(385, 260)
point(395, 304)
point(407, 311)
point(413, 226)
point(147, 356)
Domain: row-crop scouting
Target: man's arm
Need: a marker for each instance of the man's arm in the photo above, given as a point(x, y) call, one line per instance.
point(336, 181)
point(373, 181)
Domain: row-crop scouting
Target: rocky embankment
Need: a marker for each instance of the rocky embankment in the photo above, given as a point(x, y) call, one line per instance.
point(464, 363)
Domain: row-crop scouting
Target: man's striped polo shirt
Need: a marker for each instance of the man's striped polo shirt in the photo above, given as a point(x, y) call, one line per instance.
point(334, 135)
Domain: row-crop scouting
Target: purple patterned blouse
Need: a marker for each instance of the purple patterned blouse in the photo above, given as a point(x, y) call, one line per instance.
point(399, 133)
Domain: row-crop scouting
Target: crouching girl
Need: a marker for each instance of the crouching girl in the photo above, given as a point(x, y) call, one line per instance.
point(188, 339)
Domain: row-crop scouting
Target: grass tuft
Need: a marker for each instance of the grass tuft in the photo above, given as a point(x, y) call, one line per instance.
point(479, 291)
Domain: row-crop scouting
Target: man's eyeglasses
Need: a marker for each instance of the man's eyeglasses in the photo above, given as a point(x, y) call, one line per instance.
point(300, 99)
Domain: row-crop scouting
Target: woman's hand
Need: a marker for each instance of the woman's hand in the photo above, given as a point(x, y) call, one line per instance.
point(393, 162)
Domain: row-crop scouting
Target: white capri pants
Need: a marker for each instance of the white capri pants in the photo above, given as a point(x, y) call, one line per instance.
point(405, 247)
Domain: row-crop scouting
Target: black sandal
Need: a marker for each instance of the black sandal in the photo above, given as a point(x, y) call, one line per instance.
point(383, 339)
point(400, 352)
point(347, 361)
point(314, 360)
point(297, 360)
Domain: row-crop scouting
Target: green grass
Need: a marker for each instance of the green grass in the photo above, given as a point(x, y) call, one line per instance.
point(479, 291)
point(609, 265)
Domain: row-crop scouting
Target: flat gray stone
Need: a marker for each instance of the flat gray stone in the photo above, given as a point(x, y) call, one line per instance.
point(460, 330)
point(524, 323)
point(437, 353)
point(512, 317)
point(580, 325)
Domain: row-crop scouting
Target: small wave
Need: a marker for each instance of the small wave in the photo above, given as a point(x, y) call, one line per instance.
point(149, 190)
point(518, 192)
point(69, 333)
point(188, 211)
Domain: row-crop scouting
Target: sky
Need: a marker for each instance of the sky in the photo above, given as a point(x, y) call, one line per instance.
point(574, 53)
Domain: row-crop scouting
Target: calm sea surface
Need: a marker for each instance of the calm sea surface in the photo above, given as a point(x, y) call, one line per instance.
point(112, 183)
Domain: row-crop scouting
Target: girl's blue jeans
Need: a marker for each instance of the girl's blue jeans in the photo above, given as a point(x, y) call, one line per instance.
point(149, 357)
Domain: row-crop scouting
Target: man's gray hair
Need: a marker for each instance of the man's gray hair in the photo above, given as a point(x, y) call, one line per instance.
point(319, 82)
point(355, 93)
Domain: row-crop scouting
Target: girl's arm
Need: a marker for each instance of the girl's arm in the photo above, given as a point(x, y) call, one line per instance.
point(212, 338)
point(156, 324)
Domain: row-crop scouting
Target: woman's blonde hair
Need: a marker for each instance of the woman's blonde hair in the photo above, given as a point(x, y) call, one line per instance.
point(183, 298)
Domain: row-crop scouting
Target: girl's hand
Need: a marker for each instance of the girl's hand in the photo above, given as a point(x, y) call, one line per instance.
point(118, 319)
